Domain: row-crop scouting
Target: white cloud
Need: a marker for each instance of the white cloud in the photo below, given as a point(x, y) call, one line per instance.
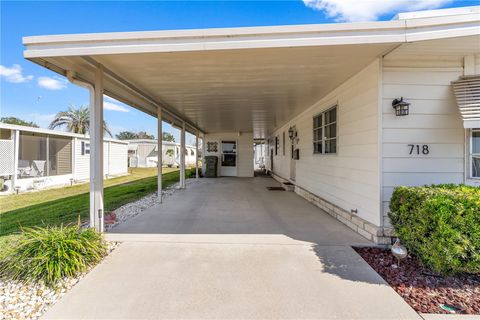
point(368, 10)
point(14, 74)
point(54, 83)
point(113, 105)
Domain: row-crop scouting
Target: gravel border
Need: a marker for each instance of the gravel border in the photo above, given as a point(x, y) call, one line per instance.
point(30, 301)
point(132, 209)
point(424, 290)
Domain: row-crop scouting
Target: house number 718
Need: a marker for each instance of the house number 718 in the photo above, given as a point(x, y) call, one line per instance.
point(419, 149)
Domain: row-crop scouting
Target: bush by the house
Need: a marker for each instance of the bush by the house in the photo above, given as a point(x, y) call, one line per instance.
point(439, 224)
point(52, 253)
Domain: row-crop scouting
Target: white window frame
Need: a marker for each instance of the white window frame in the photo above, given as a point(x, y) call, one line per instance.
point(277, 145)
point(471, 154)
point(85, 148)
point(322, 128)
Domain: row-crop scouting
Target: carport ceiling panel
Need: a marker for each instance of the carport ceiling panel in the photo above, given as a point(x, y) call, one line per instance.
point(242, 90)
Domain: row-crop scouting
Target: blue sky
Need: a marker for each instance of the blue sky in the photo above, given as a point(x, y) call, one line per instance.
point(35, 94)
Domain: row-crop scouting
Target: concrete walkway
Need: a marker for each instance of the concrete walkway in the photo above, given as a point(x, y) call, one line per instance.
point(228, 248)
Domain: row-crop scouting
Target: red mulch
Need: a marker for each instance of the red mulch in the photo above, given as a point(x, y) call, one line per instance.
point(421, 288)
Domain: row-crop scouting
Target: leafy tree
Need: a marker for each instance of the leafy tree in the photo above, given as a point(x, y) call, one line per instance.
point(76, 120)
point(144, 135)
point(17, 121)
point(169, 152)
point(126, 135)
point(129, 135)
point(167, 136)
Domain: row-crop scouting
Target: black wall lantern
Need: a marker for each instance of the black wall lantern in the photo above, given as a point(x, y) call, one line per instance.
point(401, 107)
point(290, 133)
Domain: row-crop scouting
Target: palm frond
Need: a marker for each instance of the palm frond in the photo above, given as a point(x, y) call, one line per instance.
point(76, 120)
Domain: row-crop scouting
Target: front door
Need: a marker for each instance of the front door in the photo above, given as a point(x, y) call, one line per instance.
point(228, 159)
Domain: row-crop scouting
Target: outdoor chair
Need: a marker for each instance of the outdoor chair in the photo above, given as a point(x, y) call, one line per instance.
point(24, 168)
point(38, 167)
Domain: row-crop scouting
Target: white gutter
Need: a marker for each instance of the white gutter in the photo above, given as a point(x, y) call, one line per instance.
point(442, 25)
point(53, 132)
point(88, 86)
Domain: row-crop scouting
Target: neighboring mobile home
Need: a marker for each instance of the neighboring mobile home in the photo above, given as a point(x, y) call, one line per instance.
point(347, 111)
point(143, 153)
point(34, 158)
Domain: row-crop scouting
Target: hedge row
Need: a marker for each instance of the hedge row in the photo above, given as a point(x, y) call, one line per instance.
point(440, 224)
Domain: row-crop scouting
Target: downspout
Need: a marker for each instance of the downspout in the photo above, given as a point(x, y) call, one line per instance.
point(95, 222)
point(88, 86)
point(91, 91)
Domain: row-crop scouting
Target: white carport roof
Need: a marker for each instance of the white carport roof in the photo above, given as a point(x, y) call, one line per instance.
point(238, 79)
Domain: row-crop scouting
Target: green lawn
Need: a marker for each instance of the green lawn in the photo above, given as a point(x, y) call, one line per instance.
point(12, 202)
point(61, 206)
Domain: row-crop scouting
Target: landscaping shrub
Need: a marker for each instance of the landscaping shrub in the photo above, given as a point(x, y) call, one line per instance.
point(439, 224)
point(52, 253)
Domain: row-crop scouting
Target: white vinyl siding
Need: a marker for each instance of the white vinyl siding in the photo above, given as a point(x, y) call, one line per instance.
point(349, 178)
point(244, 150)
point(82, 161)
point(118, 159)
point(434, 121)
point(114, 159)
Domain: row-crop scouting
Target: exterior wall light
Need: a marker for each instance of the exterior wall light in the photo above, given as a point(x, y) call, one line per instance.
point(401, 107)
point(290, 133)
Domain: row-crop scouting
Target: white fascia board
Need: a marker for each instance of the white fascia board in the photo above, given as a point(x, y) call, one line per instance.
point(395, 31)
point(438, 33)
point(438, 13)
point(51, 132)
point(40, 130)
point(443, 21)
point(212, 32)
point(218, 39)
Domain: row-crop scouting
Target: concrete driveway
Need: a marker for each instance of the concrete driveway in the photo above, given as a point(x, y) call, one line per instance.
point(228, 248)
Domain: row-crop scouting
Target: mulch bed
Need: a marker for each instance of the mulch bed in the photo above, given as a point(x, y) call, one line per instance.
point(421, 288)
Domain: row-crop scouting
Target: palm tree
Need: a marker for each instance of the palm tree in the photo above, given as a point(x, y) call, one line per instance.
point(76, 120)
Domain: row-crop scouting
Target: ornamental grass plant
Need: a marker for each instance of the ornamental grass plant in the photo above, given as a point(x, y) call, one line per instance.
point(49, 254)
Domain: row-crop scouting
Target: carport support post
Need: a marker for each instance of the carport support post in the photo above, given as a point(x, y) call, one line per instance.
point(96, 152)
point(196, 155)
point(182, 157)
point(159, 153)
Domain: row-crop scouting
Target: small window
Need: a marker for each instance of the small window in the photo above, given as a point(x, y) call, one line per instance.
point(475, 153)
point(191, 152)
point(277, 145)
point(325, 132)
point(283, 143)
point(85, 148)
